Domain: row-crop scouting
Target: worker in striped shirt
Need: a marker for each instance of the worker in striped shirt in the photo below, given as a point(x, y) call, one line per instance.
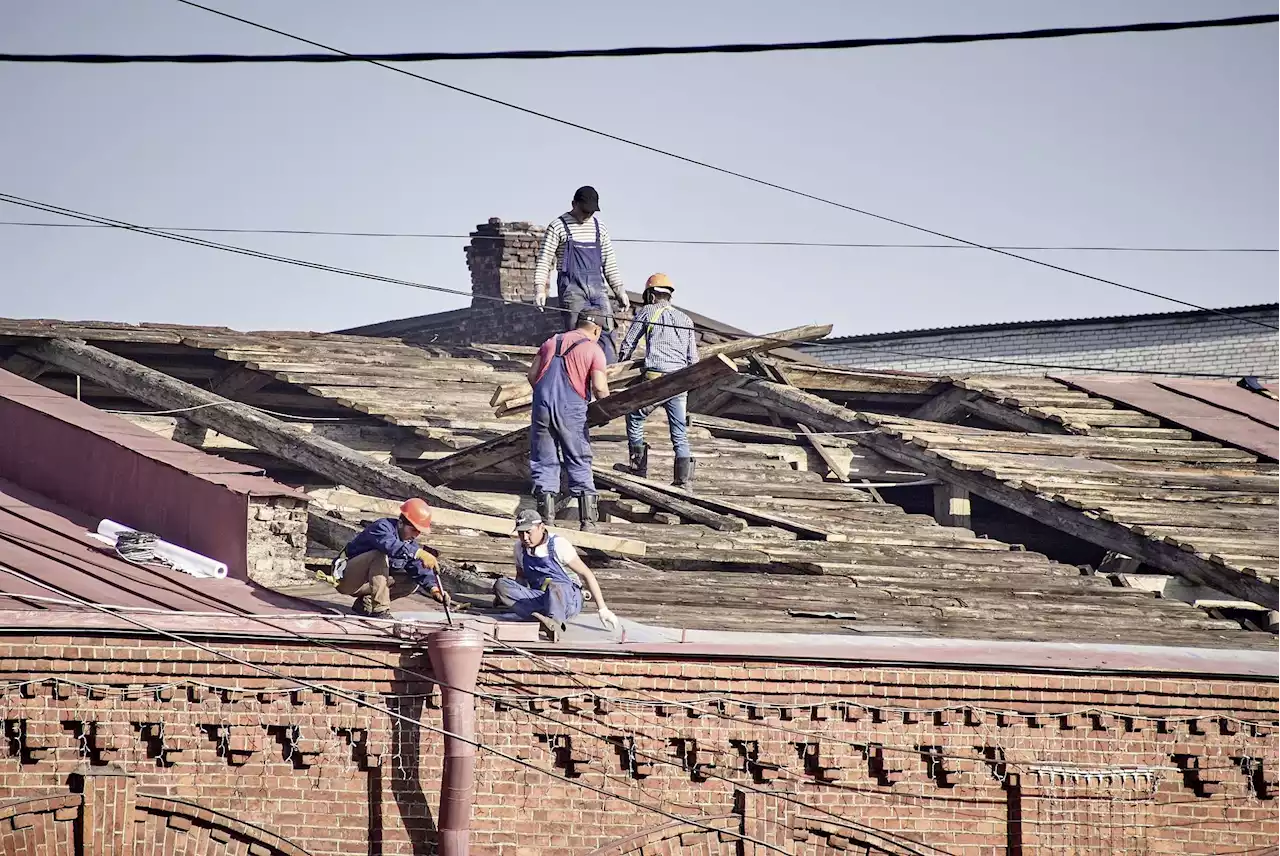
point(670, 345)
point(579, 245)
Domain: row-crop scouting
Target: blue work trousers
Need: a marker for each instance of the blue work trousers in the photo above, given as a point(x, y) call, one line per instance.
point(677, 413)
point(558, 600)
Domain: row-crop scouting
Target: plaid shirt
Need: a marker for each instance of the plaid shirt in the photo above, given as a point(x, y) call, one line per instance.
point(670, 341)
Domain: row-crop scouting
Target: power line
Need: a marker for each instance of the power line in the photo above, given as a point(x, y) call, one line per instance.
point(673, 241)
point(245, 251)
point(706, 165)
point(671, 50)
point(357, 699)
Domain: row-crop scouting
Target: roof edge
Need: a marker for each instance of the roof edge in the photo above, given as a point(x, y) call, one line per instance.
point(1024, 325)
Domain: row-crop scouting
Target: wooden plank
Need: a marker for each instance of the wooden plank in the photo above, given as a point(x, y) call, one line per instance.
point(693, 512)
point(238, 381)
point(751, 515)
point(837, 469)
point(24, 366)
point(944, 406)
point(517, 395)
point(951, 506)
point(484, 523)
point(266, 433)
point(803, 406)
point(484, 455)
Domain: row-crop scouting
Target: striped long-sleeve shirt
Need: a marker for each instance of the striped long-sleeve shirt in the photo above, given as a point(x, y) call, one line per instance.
point(670, 342)
point(552, 253)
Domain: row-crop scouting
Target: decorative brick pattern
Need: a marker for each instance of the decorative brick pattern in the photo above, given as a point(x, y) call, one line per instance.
point(962, 761)
point(1199, 343)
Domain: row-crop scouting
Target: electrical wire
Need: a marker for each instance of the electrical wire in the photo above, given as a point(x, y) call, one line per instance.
point(722, 170)
point(358, 700)
point(245, 251)
point(670, 241)
point(676, 50)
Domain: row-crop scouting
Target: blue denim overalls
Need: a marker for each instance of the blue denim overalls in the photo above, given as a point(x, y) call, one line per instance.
point(546, 587)
point(559, 424)
point(581, 285)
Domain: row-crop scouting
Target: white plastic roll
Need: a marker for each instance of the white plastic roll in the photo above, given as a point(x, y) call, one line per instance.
point(183, 559)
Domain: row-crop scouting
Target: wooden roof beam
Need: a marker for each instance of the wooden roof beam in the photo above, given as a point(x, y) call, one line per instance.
point(241, 422)
point(480, 457)
point(803, 406)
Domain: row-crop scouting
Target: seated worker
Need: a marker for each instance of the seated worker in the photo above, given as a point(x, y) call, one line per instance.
point(387, 547)
point(549, 576)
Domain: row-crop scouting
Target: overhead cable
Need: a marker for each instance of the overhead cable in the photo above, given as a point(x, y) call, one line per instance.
point(672, 241)
point(709, 166)
point(362, 702)
point(669, 50)
point(245, 251)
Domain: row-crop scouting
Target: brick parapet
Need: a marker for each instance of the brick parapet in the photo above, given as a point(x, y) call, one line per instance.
point(927, 754)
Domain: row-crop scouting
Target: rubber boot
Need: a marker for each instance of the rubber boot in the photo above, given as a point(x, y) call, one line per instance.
point(546, 504)
point(639, 460)
point(588, 511)
point(684, 474)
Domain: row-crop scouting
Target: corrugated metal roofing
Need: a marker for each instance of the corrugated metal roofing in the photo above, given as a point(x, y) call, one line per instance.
point(1216, 409)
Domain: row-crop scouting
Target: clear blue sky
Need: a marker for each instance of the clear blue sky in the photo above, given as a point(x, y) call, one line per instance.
point(1167, 139)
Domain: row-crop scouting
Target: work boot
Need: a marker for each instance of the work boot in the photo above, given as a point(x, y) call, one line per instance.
point(684, 474)
point(588, 511)
point(362, 605)
point(639, 460)
point(546, 507)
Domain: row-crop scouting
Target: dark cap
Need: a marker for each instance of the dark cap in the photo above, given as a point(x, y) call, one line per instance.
point(587, 199)
point(526, 519)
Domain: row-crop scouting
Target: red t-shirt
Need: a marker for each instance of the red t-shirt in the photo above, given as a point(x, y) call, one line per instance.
point(581, 362)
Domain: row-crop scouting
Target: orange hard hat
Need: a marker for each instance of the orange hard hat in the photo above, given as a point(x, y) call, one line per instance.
point(418, 513)
point(660, 280)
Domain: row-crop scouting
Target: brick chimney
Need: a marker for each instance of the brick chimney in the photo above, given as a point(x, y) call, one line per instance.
point(501, 257)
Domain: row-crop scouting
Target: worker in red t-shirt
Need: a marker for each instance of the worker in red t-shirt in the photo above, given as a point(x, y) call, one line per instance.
point(566, 370)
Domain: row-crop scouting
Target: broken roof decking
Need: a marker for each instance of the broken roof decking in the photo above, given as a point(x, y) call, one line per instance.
point(896, 572)
point(1188, 507)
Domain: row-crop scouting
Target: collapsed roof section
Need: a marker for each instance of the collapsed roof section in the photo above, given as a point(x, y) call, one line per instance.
point(788, 533)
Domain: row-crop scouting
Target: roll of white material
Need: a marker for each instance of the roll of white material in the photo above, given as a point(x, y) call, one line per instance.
point(183, 559)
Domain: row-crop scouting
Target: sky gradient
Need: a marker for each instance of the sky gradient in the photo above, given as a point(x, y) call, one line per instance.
point(1161, 139)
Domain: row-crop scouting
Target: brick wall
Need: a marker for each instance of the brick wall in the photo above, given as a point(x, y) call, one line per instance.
point(1192, 343)
point(816, 760)
point(277, 546)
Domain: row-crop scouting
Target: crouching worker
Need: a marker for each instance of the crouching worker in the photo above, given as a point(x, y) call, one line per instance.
point(385, 562)
point(549, 576)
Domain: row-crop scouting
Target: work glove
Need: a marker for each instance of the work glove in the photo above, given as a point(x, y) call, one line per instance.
point(608, 619)
point(439, 595)
point(540, 298)
point(427, 559)
point(625, 301)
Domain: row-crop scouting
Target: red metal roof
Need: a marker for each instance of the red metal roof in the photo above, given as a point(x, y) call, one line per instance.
point(239, 478)
point(1219, 410)
point(51, 543)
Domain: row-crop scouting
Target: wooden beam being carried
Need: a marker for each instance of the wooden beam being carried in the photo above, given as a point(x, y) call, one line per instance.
point(241, 422)
point(514, 396)
point(627, 483)
point(803, 406)
point(481, 522)
point(492, 452)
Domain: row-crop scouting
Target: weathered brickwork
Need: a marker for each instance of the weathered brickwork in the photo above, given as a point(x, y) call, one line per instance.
point(277, 545)
point(1185, 342)
point(813, 760)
